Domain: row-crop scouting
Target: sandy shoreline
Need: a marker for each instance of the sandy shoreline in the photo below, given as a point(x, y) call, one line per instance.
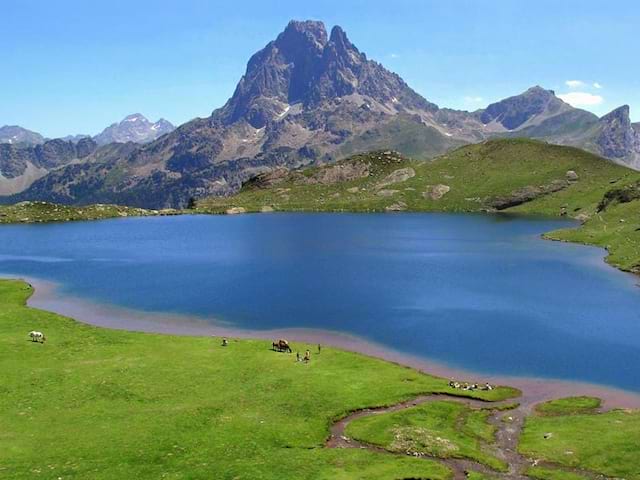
point(535, 390)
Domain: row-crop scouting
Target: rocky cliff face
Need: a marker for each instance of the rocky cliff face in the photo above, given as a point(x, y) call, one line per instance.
point(21, 165)
point(309, 97)
point(617, 138)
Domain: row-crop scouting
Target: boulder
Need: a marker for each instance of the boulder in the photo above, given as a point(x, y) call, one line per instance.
point(353, 190)
point(343, 172)
point(386, 193)
point(436, 192)
point(571, 176)
point(397, 176)
point(396, 207)
point(236, 210)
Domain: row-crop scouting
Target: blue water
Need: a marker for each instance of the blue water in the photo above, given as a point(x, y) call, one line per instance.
point(483, 293)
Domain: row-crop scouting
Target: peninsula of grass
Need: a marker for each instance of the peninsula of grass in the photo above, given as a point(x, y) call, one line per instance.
point(605, 443)
point(108, 404)
point(541, 473)
point(569, 406)
point(439, 429)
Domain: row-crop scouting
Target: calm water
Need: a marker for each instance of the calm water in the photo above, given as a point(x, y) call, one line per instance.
point(477, 292)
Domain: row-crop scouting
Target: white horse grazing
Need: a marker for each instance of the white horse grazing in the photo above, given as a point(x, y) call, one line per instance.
point(37, 336)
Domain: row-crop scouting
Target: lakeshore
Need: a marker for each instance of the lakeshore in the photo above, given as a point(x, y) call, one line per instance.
point(534, 390)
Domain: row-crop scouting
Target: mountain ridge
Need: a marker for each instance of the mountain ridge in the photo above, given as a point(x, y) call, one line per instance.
point(311, 97)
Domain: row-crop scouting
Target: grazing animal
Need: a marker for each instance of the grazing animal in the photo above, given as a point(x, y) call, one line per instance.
point(281, 345)
point(37, 336)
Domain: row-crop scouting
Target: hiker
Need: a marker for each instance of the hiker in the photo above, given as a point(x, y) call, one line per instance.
point(225, 342)
point(307, 356)
point(297, 356)
point(319, 348)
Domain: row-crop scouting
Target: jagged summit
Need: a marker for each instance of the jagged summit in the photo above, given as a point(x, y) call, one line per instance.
point(307, 97)
point(133, 128)
point(303, 66)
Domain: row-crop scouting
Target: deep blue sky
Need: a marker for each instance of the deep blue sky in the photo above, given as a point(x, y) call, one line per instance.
point(71, 66)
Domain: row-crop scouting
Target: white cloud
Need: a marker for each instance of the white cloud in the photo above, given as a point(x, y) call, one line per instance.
point(473, 99)
point(597, 85)
point(574, 83)
point(581, 99)
point(394, 55)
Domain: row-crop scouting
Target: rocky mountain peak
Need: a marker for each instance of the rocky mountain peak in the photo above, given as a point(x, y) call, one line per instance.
point(617, 138)
point(133, 128)
point(620, 114)
point(304, 66)
point(303, 32)
point(514, 111)
point(16, 135)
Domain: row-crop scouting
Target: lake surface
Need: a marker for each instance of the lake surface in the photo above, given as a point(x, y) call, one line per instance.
point(481, 293)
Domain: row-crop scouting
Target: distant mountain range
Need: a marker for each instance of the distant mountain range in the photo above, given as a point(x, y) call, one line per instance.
point(133, 128)
point(307, 97)
point(26, 156)
point(14, 134)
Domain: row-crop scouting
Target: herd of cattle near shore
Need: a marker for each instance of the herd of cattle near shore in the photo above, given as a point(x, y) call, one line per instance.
point(282, 345)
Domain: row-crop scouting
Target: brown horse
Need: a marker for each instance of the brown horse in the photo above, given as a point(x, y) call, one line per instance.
point(281, 345)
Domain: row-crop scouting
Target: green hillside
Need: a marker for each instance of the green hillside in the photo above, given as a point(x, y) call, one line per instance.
point(510, 175)
point(94, 403)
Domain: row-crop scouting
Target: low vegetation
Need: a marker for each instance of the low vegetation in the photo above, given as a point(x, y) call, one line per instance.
point(541, 473)
point(606, 443)
point(569, 406)
point(39, 212)
point(440, 429)
point(105, 404)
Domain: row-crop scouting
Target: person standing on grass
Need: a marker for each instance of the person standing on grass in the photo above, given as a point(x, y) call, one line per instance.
point(319, 348)
point(307, 356)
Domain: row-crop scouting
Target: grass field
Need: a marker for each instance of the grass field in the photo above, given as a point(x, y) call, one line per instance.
point(93, 403)
point(569, 406)
point(441, 429)
point(607, 443)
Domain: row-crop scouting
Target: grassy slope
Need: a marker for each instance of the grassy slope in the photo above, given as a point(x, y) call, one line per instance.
point(569, 406)
point(103, 404)
point(607, 443)
point(615, 229)
point(443, 429)
point(36, 212)
point(476, 175)
point(550, 474)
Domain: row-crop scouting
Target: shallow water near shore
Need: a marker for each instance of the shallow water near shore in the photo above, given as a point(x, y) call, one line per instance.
point(455, 292)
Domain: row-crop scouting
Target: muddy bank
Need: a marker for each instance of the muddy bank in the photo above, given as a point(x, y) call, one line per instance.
point(47, 296)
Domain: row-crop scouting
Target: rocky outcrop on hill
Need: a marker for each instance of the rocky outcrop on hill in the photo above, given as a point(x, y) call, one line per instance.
point(617, 138)
point(526, 194)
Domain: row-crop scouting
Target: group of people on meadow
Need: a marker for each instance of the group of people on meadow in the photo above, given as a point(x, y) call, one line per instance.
point(282, 345)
